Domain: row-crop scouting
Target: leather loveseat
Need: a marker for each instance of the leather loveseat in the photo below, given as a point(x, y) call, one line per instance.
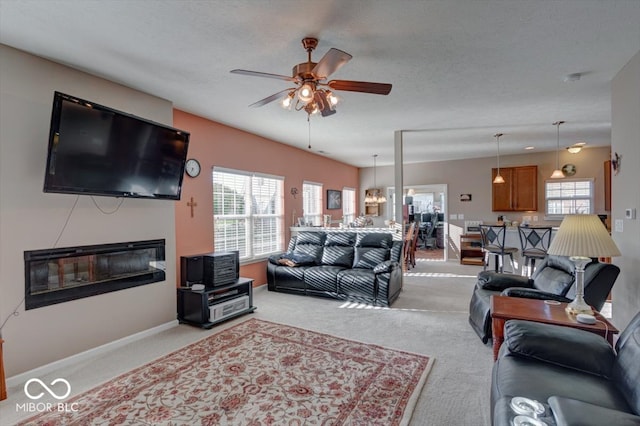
point(576, 375)
point(359, 266)
point(553, 279)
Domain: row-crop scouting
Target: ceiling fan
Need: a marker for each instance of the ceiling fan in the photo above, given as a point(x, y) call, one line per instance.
point(311, 92)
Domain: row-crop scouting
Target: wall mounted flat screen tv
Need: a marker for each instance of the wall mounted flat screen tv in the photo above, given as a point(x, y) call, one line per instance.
point(96, 150)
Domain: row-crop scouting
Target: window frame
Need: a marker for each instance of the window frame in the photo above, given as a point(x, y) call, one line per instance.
point(559, 216)
point(348, 205)
point(251, 217)
point(312, 208)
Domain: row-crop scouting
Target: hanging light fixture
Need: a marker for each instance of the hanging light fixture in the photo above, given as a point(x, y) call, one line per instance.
point(375, 196)
point(557, 173)
point(498, 178)
point(576, 147)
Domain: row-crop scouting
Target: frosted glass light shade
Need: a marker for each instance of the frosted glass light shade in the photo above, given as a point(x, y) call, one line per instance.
point(498, 179)
point(582, 235)
point(557, 174)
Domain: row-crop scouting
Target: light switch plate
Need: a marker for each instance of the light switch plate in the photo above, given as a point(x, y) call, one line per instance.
point(453, 217)
point(619, 225)
point(460, 216)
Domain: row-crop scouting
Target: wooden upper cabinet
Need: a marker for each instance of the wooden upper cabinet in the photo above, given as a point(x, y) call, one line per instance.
point(519, 192)
point(607, 185)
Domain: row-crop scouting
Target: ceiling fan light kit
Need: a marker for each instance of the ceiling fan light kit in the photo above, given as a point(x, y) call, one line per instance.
point(312, 93)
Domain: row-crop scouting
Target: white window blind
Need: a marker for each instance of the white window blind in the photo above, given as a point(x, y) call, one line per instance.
point(569, 197)
point(312, 203)
point(248, 213)
point(348, 205)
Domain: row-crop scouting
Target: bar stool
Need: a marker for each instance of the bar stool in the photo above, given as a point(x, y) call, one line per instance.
point(493, 237)
point(534, 243)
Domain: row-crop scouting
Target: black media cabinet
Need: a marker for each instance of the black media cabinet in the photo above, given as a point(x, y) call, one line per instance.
point(211, 306)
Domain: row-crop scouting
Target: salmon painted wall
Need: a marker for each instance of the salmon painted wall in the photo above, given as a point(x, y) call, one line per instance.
point(214, 144)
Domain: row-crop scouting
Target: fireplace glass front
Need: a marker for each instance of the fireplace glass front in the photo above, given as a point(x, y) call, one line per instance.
point(64, 274)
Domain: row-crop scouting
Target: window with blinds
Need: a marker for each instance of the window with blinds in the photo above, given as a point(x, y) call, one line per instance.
point(348, 205)
point(569, 197)
point(248, 213)
point(312, 203)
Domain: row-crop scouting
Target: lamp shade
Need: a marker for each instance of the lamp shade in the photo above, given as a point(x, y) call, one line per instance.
point(582, 235)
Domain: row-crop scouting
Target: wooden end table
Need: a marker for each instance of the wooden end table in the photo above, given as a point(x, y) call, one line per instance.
point(504, 308)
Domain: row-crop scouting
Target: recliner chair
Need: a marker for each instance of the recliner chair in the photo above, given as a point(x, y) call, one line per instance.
point(554, 279)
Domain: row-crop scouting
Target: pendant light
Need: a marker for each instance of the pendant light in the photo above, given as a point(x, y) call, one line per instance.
point(557, 173)
point(375, 196)
point(498, 178)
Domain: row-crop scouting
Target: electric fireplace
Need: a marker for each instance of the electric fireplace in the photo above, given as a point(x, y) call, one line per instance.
point(63, 274)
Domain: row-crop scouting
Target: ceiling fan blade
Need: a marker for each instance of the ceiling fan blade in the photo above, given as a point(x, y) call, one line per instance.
point(271, 98)
point(263, 74)
point(361, 86)
point(330, 63)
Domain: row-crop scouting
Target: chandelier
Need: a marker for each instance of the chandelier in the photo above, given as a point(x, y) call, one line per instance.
point(375, 196)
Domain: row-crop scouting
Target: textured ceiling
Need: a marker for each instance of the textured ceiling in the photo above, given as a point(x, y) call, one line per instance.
point(461, 70)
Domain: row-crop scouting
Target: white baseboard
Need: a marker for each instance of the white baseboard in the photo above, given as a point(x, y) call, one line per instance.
point(18, 379)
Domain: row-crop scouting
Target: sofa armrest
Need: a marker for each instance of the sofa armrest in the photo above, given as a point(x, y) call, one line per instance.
point(562, 346)
point(490, 280)
point(386, 266)
point(292, 259)
point(532, 293)
point(569, 412)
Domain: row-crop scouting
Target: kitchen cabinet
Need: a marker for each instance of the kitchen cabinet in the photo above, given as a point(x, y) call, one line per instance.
point(519, 192)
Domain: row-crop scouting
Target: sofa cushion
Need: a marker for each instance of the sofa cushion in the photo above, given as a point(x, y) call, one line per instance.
point(309, 250)
point(557, 277)
point(374, 239)
point(357, 282)
point(626, 370)
point(569, 348)
point(340, 239)
point(338, 256)
point(369, 257)
point(518, 376)
point(322, 278)
point(315, 238)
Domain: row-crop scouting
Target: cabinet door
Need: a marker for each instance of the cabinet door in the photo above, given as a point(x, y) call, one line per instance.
point(501, 192)
point(525, 188)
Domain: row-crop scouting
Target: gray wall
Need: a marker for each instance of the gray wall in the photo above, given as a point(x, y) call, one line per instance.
point(625, 140)
point(31, 219)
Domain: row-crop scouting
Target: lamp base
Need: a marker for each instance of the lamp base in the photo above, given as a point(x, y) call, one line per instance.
point(574, 308)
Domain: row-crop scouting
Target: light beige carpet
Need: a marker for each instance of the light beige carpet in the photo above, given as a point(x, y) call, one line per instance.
point(258, 373)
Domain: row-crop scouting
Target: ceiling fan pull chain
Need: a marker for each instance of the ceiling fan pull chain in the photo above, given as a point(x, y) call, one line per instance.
point(309, 122)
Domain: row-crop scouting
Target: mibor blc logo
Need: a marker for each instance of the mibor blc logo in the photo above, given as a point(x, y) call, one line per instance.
point(35, 389)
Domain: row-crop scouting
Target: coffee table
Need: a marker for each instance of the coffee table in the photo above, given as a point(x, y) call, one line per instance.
point(504, 308)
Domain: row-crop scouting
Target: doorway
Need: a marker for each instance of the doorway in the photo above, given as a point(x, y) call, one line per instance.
point(425, 204)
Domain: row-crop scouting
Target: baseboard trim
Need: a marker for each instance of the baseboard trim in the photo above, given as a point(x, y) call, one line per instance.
point(64, 362)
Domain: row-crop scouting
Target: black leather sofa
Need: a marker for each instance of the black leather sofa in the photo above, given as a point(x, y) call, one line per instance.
point(553, 279)
point(575, 374)
point(360, 266)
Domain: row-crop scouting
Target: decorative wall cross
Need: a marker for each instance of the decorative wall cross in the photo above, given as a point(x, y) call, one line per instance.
point(192, 204)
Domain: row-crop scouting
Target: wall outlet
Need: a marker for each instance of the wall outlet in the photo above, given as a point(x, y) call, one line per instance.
point(460, 216)
point(526, 219)
point(619, 225)
point(535, 218)
point(453, 217)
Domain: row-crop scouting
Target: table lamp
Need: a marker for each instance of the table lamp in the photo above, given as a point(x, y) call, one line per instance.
point(582, 237)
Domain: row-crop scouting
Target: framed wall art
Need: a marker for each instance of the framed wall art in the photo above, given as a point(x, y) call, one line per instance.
point(334, 199)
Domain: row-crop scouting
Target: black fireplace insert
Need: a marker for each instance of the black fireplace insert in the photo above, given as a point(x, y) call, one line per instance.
point(63, 274)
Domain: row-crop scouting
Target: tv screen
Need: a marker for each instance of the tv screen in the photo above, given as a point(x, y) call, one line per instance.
point(96, 150)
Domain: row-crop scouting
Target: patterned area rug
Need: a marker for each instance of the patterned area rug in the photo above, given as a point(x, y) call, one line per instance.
point(259, 373)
